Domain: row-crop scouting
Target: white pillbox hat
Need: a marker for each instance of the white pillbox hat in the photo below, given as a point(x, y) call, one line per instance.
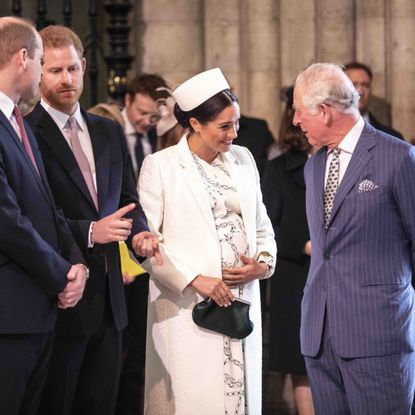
point(198, 89)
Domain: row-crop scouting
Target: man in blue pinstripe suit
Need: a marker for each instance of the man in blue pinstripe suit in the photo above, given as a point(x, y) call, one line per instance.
point(358, 318)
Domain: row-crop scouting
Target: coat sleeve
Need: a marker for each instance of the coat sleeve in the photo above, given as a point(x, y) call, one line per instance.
point(21, 244)
point(264, 232)
point(174, 274)
point(129, 190)
point(404, 193)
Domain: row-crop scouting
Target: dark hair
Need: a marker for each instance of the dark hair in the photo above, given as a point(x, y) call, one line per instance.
point(290, 136)
point(359, 65)
point(147, 84)
point(206, 111)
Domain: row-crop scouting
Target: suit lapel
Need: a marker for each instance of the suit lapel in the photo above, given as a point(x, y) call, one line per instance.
point(54, 139)
point(359, 160)
point(195, 183)
point(101, 150)
point(43, 185)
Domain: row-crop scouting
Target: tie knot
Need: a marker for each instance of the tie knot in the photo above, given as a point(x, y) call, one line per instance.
point(17, 113)
point(336, 152)
point(72, 124)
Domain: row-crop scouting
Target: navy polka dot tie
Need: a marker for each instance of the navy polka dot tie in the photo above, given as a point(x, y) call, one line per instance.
point(331, 186)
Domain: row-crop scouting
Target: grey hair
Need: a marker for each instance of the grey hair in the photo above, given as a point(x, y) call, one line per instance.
point(327, 83)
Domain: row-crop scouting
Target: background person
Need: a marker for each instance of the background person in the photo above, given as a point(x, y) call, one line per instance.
point(203, 199)
point(140, 117)
point(283, 190)
point(361, 75)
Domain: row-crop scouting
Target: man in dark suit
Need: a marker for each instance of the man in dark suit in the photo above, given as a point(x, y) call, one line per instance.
point(90, 175)
point(361, 75)
point(358, 316)
point(34, 277)
point(140, 116)
point(254, 134)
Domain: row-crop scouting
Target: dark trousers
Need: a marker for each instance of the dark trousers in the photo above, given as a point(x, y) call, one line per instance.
point(84, 374)
point(381, 385)
point(24, 360)
point(131, 390)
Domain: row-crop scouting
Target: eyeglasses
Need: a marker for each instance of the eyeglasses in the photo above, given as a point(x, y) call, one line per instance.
point(153, 117)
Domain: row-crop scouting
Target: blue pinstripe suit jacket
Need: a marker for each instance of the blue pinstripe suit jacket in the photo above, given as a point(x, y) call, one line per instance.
point(361, 267)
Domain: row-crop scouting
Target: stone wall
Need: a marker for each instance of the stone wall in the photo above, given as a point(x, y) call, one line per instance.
point(261, 45)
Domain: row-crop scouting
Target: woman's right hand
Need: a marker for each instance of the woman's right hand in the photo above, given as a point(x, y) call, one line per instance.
point(214, 288)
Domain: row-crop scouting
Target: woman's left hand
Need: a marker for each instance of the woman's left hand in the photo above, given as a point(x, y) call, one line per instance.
point(252, 269)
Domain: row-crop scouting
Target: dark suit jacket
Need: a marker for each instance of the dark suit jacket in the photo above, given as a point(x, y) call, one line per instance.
point(32, 237)
point(388, 130)
point(254, 134)
point(283, 191)
point(116, 188)
point(361, 266)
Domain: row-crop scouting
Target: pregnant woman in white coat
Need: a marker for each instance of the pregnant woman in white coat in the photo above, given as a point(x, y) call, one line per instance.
point(202, 197)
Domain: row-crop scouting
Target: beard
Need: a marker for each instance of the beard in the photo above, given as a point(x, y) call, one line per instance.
point(63, 99)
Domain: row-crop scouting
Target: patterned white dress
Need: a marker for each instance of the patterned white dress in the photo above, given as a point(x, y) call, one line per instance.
point(230, 228)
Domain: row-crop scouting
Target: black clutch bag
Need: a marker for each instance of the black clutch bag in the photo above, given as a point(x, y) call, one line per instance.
point(232, 321)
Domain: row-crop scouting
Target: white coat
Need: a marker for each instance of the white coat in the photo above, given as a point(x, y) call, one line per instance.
point(184, 364)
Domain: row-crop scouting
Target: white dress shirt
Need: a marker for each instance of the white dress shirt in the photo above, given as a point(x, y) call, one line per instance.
point(7, 107)
point(347, 146)
point(61, 119)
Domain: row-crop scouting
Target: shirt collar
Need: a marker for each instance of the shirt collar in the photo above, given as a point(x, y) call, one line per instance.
point(349, 142)
point(61, 118)
point(6, 105)
point(128, 129)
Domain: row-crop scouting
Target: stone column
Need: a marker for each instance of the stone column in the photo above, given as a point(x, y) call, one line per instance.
point(297, 38)
point(401, 65)
point(334, 30)
point(370, 41)
point(169, 38)
point(260, 61)
point(222, 39)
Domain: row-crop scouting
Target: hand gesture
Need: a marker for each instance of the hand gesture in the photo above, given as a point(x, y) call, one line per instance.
point(146, 244)
point(113, 228)
point(127, 278)
point(307, 248)
point(252, 269)
point(74, 289)
point(214, 288)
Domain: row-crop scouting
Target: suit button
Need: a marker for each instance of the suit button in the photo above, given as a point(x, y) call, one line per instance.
point(327, 256)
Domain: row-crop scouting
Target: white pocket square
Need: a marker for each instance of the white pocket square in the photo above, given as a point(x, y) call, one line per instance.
point(367, 186)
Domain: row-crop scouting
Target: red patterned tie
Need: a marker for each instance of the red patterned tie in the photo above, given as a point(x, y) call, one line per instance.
point(81, 159)
point(23, 136)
